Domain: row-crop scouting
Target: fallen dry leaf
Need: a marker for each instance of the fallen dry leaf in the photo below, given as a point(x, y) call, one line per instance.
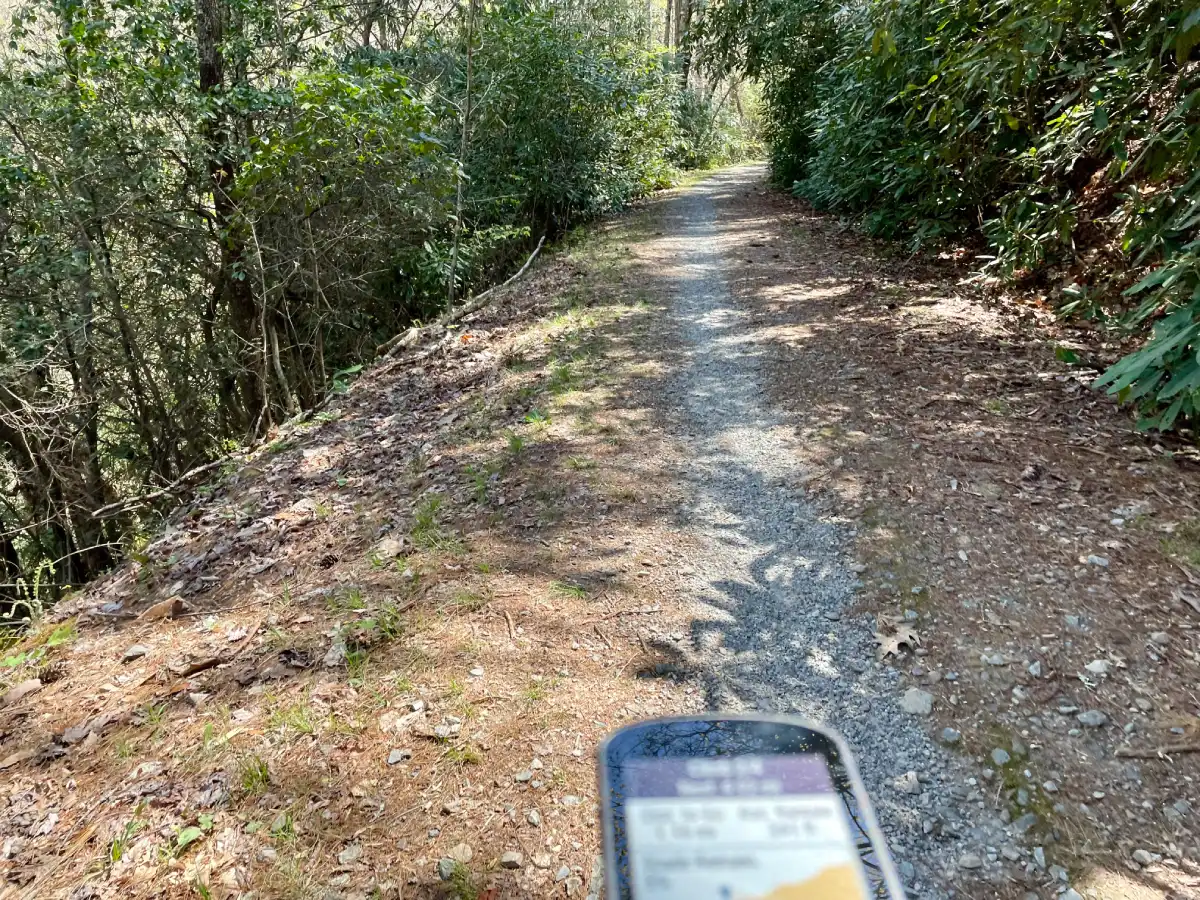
point(21, 691)
point(166, 609)
point(903, 636)
point(20, 756)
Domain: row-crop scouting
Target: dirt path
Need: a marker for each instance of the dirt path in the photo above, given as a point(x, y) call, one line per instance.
point(830, 405)
point(715, 453)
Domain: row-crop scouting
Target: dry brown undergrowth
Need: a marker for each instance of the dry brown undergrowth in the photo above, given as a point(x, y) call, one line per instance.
point(408, 622)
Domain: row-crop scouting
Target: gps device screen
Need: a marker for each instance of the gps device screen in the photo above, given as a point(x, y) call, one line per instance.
point(739, 827)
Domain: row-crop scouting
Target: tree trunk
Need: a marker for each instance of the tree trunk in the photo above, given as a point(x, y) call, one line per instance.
point(230, 291)
point(683, 23)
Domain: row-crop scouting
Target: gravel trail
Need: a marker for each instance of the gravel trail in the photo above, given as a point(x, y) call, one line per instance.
point(771, 629)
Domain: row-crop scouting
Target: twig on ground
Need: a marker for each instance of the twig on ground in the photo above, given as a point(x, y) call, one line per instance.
point(1158, 752)
point(603, 637)
point(128, 502)
point(644, 610)
point(512, 629)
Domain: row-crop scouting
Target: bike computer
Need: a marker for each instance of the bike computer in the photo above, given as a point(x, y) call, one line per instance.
point(735, 808)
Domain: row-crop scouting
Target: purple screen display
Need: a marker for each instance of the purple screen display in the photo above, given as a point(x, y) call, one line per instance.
point(734, 776)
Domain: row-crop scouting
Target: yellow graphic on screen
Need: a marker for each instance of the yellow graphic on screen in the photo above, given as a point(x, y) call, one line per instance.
point(835, 883)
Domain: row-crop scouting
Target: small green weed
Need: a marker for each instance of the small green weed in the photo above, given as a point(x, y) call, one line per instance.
point(428, 533)
point(356, 666)
point(154, 715)
point(296, 717)
point(1184, 545)
point(562, 379)
point(481, 479)
point(535, 693)
point(66, 633)
point(189, 835)
point(284, 827)
point(580, 463)
point(455, 689)
point(346, 600)
point(120, 843)
point(469, 601)
point(537, 417)
point(462, 884)
point(564, 589)
point(465, 755)
point(516, 443)
point(254, 776)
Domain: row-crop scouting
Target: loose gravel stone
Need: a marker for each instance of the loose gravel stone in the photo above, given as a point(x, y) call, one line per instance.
point(511, 859)
point(1000, 756)
point(1092, 718)
point(970, 861)
point(917, 702)
point(534, 818)
point(777, 568)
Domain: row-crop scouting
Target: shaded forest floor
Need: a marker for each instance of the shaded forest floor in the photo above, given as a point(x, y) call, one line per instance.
point(375, 658)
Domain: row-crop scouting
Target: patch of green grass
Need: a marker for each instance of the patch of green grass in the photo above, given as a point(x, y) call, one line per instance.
point(455, 689)
point(466, 755)
point(1184, 545)
point(580, 463)
point(403, 684)
point(297, 717)
point(997, 407)
point(562, 378)
point(565, 589)
point(469, 601)
point(348, 599)
point(356, 666)
point(281, 445)
point(428, 533)
point(481, 480)
point(535, 693)
point(516, 443)
point(120, 844)
point(537, 417)
point(462, 884)
point(284, 827)
point(154, 715)
point(66, 633)
point(254, 776)
point(125, 748)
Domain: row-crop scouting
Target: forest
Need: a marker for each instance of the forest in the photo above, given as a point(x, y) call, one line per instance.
point(1060, 137)
point(213, 211)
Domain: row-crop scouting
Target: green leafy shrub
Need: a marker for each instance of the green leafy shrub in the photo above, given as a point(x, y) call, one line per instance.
point(1064, 132)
